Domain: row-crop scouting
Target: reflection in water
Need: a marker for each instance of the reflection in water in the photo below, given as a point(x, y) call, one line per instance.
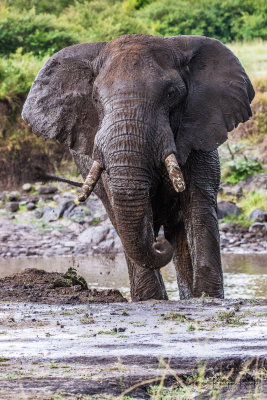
point(245, 275)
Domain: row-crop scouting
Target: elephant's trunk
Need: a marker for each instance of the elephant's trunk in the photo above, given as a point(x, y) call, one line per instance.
point(129, 154)
point(134, 221)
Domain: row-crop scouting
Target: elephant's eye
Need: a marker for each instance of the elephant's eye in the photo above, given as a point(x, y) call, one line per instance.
point(171, 94)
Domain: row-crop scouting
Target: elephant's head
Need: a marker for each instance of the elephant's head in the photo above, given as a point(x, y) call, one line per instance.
point(136, 106)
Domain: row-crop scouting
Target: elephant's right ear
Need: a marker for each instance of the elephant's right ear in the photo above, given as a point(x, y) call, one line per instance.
point(59, 104)
point(219, 93)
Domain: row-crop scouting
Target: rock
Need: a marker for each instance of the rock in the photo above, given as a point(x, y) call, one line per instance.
point(226, 208)
point(74, 227)
point(49, 214)
point(38, 213)
point(63, 206)
point(93, 235)
point(70, 243)
point(78, 214)
point(13, 206)
point(31, 206)
point(230, 190)
point(14, 196)
point(253, 182)
point(227, 227)
point(258, 215)
point(258, 228)
point(33, 199)
point(69, 210)
point(224, 241)
point(112, 233)
point(26, 187)
point(47, 189)
point(2, 197)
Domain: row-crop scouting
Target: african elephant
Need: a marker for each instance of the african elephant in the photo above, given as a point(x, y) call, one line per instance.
point(144, 116)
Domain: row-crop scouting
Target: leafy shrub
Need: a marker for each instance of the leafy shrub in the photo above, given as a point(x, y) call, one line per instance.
point(41, 6)
point(226, 20)
point(34, 34)
point(239, 169)
point(17, 74)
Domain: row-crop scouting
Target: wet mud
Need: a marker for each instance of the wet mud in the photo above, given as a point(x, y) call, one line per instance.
point(61, 352)
point(38, 286)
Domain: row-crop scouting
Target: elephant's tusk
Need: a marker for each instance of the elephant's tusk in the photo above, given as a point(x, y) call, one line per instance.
point(175, 173)
point(90, 181)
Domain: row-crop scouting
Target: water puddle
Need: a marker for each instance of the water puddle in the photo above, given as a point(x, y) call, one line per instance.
point(245, 275)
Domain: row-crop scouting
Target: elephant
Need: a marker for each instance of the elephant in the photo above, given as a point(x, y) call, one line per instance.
point(143, 117)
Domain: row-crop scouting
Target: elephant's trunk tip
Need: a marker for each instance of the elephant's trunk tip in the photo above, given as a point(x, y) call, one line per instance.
point(90, 181)
point(175, 173)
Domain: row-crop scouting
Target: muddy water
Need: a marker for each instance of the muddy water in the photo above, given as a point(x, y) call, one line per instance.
point(245, 276)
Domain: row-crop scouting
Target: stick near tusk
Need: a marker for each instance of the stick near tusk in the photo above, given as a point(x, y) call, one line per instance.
point(90, 181)
point(175, 173)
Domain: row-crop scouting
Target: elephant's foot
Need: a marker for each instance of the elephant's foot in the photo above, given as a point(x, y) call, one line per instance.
point(145, 284)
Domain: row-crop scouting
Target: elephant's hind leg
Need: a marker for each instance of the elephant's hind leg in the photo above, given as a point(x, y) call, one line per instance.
point(183, 264)
point(145, 284)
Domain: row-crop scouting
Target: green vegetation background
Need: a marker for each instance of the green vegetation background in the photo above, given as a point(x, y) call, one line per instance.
point(32, 30)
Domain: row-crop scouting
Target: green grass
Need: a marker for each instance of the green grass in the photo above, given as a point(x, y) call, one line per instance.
point(255, 199)
point(253, 56)
point(240, 220)
point(173, 316)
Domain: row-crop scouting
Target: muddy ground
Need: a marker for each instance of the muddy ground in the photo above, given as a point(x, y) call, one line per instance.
point(103, 350)
point(38, 286)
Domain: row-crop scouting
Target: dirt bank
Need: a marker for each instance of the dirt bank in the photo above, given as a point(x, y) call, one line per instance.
point(205, 348)
point(38, 286)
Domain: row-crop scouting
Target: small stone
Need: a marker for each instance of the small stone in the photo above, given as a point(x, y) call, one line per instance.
point(93, 235)
point(259, 228)
point(33, 199)
point(47, 189)
point(31, 206)
point(258, 215)
point(63, 206)
point(49, 214)
point(2, 197)
point(227, 227)
point(26, 187)
point(13, 207)
point(14, 196)
point(38, 213)
point(70, 243)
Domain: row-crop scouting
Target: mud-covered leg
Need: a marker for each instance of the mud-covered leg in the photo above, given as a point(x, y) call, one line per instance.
point(145, 284)
point(182, 262)
point(199, 204)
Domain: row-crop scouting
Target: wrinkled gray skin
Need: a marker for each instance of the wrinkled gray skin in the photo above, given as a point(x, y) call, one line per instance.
point(128, 104)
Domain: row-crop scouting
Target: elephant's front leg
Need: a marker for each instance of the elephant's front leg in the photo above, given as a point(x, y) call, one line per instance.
point(145, 284)
point(199, 204)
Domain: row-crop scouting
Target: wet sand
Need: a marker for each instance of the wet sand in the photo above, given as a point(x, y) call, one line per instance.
point(47, 350)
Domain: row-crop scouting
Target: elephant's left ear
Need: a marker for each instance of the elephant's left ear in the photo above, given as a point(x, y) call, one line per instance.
point(219, 93)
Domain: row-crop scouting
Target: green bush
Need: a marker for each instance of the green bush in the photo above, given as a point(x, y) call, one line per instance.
point(226, 20)
point(34, 34)
point(41, 6)
point(239, 169)
point(17, 74)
